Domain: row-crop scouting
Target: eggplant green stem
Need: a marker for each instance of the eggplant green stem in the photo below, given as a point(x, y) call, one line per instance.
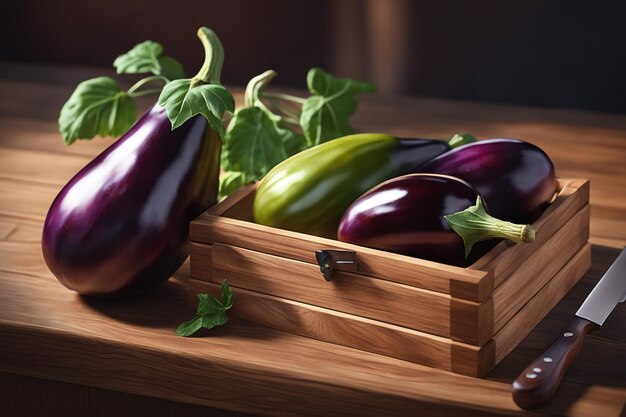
point(145, 92)
point(291, 120)
point(461, 139)
point(286, 97)
point(474, 224)
point(211, 69)
point(146, 80)
point(290, 114)
point(255, 87)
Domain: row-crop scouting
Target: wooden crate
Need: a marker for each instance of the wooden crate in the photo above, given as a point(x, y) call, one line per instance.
point(460, 319)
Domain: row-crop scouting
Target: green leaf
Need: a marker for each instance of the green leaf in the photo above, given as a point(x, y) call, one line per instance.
point(189, 327)
point(210, 313)
point(142, 58)
point(210, 322)
point(231, 181)
point(461, 139)
point(255, 140)
point(254, 143)
point(227, 295)
point(146, 57)
point(325, 115)
point(171, 68)
point(183, 101)
point(208, 305)
point(294, 143)
point(96, 107)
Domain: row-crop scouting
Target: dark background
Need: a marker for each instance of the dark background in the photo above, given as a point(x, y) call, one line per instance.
point(553, 53)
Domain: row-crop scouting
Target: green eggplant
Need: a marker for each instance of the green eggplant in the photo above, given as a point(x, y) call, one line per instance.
point(310, 191)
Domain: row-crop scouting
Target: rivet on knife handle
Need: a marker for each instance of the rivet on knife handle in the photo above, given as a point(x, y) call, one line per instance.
point(540, 380)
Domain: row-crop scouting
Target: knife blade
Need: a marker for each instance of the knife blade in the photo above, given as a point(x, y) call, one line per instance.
point(540, 380)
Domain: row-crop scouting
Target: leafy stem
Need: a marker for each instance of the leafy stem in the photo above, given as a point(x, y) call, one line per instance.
point(210, 312)
point(146, 80)
point(211, 69)
point(96, 107)
point(287, 106)
point(291, 120)
point(474, 224)
point(145, 92)
point(286, 97)
point(291, 114)
point(255, 86)
point(202, 94)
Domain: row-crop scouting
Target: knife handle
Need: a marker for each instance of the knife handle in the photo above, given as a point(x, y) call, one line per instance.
point(538, 383)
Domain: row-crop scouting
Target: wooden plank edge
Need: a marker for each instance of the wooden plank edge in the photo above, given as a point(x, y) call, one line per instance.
point(200, 260)
point(353, 331)
point(507, 256)
point(511, 334)
point(78, 359)
point(413, 308)
point(510, 297)
point(229, 202)
point(469, 322)
point(350, 293)
point(471, 285)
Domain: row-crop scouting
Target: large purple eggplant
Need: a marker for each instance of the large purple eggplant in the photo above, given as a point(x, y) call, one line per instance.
point(120, 225)
point(515, 178)
point(434, 217)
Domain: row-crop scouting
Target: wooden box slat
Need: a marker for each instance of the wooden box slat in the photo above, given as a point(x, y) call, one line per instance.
point(539, 267)
point(365, 296)
point(506, 257)
point(526, 318)
point(396, 341)
point(387, 301)
point(469, 284)
point(355, 331)
point(471, 316)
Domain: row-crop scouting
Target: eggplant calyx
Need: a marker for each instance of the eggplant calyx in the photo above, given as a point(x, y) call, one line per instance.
point(474, 225)
point(461, 139)
point(211, 70)
point(203, 94)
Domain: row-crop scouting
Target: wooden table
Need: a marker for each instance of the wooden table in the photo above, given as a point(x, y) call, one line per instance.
point(118, 358)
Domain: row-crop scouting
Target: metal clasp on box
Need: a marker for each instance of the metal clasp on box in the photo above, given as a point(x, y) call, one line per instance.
point(331, 260)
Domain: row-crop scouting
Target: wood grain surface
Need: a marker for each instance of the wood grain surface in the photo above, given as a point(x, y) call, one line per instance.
point(573, 195)
point(396, 341)
point(354, 331)
point(350, 293)
point(51, 333)
point(539, 268)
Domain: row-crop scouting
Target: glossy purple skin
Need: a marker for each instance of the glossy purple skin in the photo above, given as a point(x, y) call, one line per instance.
point(120, 226)
point(405, 215)
point(515, 178)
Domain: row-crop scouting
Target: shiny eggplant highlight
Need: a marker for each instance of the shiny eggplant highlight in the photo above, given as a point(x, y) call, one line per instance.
point(120, 226)
point(515, 178)
point(432, 217)
point(310, 191)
